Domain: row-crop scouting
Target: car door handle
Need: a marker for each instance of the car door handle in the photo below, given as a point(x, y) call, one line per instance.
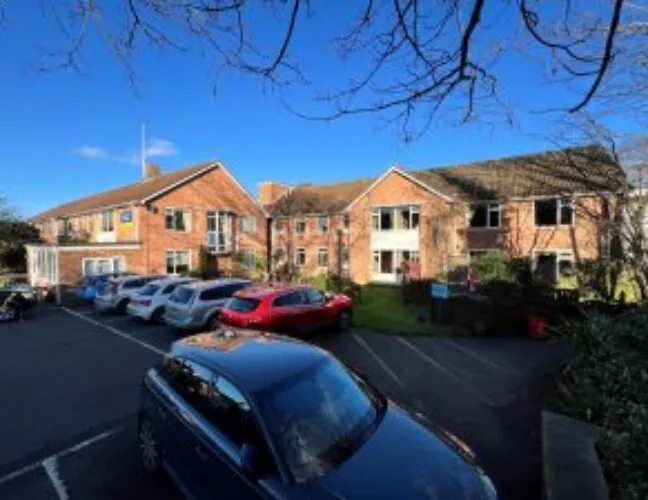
point(202, 454)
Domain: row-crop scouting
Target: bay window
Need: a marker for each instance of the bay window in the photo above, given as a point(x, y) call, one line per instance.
point(219, 231)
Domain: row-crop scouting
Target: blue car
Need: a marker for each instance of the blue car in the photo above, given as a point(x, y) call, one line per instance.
point(237, 414)
point(86, 289)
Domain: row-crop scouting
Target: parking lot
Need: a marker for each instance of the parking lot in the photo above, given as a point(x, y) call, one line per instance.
point(71, 383)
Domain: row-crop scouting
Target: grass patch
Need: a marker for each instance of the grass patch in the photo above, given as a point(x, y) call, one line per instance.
point(381, 308)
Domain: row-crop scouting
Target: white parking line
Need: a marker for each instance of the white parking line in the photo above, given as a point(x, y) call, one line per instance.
point(49, 463)
point(116, 331)
point(51, 468)
point(470, 353)
point(379, 360)
point(443, 369)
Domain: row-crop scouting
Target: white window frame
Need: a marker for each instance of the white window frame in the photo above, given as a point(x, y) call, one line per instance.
point(559, 203)
point(248, 219)
point(173, 210)
point(345, 262)
point(346, 222)
point(175, 263)
point(562, 254)
point(298, 221)
point(278, 225)
point(490, 208)
point(107, 221)
point(320, 252)
point(249, 258)
point(299, 251)
point(112, 260)
point(225, 230)
point(323, 224)
point(395, 210)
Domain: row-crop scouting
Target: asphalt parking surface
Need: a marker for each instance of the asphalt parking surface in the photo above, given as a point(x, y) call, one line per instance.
point(71, 385)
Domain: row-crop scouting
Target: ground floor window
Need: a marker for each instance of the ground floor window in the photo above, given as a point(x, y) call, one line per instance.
point(300, 257)
point(178, 261)
point(248, 258)
point(345, 258)
point(475, 255)
point(551, 265)
point(94, 266)
point(322, 257)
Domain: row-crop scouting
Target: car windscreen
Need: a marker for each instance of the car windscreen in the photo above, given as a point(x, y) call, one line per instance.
point(148, 290)
point(181, 295)
point(319, 417)
point(243, 304)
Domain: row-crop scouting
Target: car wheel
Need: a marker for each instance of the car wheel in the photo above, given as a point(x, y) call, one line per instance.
point(149, 448)
point(213, 323)
point(343, 321)
point(121, 307)
point(156, 317)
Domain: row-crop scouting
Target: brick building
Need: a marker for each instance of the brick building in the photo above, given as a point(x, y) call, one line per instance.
point(549, 207)
point(157, 225)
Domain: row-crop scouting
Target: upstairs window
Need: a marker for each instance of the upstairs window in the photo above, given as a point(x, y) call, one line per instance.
point(322, 223)
point(277, 225)
point(248, 224)
point(107, 221)
point(345, 221)
point(554, 211)
point(300, 226)
point(176, 219)
point(300, 257)
point(219, 231)
point(486, 215)
point(402, 218)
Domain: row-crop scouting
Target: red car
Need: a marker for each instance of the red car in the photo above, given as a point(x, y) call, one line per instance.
point(293, 309)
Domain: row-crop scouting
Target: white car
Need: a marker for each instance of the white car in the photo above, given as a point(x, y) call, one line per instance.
point(114, 294)
point(148, 303)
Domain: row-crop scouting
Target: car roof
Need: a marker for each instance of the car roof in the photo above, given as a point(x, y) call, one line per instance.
point(201, 285)
point(253, 360)
point(167, 280)
point(270, 290)
point(124, 279)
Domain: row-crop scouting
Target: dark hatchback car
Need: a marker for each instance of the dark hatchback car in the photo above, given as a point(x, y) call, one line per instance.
point(244, 415)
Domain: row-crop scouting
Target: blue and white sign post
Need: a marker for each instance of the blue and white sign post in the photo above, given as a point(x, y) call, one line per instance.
point(440, 293)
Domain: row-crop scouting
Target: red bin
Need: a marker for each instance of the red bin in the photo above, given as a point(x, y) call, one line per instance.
point(537, 327)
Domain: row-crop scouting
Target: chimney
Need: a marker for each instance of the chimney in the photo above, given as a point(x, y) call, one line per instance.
point(270, 191)
point(151, 170)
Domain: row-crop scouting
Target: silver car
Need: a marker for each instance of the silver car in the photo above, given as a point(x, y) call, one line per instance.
point(196, 306)
point(114, 295)
point(148, 302)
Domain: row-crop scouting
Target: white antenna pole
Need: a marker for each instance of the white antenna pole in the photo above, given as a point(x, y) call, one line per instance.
point(143, 151)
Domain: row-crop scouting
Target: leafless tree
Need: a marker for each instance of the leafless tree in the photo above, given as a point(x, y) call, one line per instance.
point(407, 59)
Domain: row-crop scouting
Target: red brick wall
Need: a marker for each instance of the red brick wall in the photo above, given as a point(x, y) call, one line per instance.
point(311, 241)
point(71, 261)
point(213, 191)
point(437, 230)
point(519, 236)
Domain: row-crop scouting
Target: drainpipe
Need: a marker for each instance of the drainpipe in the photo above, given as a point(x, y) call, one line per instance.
point(268, 246)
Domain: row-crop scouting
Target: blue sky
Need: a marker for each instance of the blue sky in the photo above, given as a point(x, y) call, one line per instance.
point(67, 134)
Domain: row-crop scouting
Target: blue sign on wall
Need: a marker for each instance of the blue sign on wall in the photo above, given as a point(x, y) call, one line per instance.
point(126, 217)
point(440, 290)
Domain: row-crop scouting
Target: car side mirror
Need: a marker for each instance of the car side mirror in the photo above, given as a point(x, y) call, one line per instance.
point(250, 462)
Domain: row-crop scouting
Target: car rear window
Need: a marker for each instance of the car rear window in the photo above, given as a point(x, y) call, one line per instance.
point(137, 283)
point(181, 295)
point(243, 305)
point(149, 290)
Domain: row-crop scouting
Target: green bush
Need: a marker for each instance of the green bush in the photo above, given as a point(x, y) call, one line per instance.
point(606, 383)
point(497, 266)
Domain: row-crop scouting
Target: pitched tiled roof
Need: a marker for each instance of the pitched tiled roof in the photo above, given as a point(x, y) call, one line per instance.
point(135, 192)
point(582, 169)
point(329, 198)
